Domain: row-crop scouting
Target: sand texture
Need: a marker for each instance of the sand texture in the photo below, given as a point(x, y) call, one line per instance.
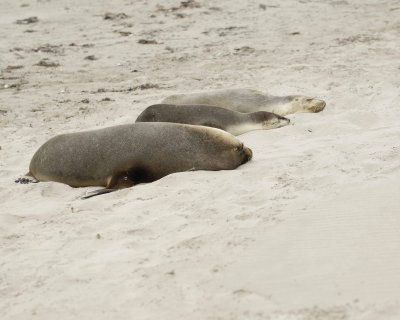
point(307, 230)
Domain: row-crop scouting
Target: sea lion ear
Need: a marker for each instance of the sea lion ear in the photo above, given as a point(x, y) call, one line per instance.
point(239, 148)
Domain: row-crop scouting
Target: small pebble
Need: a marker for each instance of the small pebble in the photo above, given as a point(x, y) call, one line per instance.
point(27, 20)
point(91, 57)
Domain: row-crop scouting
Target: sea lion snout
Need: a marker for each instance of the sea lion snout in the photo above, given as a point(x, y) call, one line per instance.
point(274, 121)
point(317, 105)
point(247, 154)
point(284, 119)
point(323, 105)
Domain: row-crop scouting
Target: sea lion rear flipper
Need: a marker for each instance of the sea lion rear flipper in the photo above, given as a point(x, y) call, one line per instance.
point(30, 179)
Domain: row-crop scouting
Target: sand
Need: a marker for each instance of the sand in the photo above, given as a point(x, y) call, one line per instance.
point(309, 229)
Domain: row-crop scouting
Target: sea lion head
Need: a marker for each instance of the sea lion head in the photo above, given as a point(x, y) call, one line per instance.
point(232, 151)
point(245, 154)
point(271, 120)
point(221, 149)
point(267, 120)
point(307, 104)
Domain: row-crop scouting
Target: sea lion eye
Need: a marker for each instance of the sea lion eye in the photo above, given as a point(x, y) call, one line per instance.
point(238, 148)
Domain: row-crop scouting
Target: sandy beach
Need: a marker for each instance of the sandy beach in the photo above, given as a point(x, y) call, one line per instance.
point(309, 229)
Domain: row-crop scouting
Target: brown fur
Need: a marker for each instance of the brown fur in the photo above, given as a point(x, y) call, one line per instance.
point(231, 121)
point(247, 100)
point(121, 156)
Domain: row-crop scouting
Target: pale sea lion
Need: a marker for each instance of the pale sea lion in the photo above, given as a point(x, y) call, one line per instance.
point(233, 122)
point(247, 100)
point(122, 156)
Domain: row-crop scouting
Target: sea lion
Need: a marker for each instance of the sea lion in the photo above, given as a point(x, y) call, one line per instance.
point(233, 122)
point(122, 156)
point(247, 100)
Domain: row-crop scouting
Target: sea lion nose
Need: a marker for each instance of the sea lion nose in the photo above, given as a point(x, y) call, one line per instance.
point(320, 105)
point(285, 119)
point(248, 154)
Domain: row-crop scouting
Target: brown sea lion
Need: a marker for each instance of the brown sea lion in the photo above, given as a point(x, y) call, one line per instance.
point(233, 122)
point(122, 156)
point(247, 100)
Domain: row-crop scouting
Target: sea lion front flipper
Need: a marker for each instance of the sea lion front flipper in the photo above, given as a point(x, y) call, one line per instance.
point(97, 193)
point(120, 180)
point(117, 181)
